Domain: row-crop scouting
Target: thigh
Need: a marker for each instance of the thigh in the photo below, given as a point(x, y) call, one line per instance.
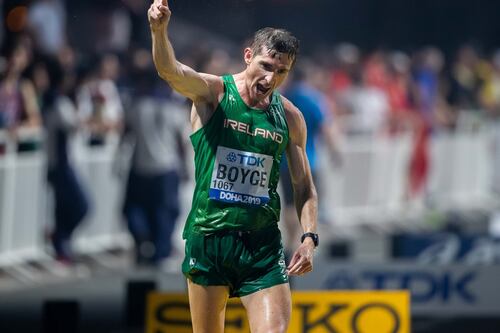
point(269, 309)
point(261, 264)
point(208, 307)
point(201, 263)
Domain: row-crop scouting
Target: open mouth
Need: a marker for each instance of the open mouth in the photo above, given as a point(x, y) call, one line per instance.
point(261, 89)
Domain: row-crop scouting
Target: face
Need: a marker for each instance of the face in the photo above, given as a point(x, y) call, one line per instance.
point(110, 67)
point(19, 60)
point(41, 78)
point(265, 72)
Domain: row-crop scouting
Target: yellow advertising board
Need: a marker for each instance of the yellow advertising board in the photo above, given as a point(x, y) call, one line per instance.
point(312, 312)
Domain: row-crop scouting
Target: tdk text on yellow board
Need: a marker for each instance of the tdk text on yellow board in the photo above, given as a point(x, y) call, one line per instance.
point(312, 312)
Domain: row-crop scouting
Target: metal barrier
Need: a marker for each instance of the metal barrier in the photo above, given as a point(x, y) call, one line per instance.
point(369, 187)
point(26, 205)
point(371, 180)
point(103, 227)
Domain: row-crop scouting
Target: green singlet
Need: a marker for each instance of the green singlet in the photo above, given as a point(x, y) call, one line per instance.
point(232, 235)
point(237, 157)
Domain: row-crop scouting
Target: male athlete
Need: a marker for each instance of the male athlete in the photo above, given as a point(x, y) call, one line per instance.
point(241, 126)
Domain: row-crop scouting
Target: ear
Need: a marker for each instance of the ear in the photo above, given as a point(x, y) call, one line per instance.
point(248, 55)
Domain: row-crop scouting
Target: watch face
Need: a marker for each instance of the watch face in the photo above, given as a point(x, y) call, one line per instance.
point(315, 239)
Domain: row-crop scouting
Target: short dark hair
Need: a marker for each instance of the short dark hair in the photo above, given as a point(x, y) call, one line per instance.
point(279, 40)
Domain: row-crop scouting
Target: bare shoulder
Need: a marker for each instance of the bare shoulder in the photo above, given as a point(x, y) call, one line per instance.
point(212, 79)
point(204, 107)
point(295, 120)
point(216, 87)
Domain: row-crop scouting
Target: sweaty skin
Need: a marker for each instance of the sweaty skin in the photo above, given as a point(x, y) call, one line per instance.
point(269, 309)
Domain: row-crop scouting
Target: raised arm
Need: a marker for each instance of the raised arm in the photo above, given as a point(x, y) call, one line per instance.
point(304, 191)
point(199, 87)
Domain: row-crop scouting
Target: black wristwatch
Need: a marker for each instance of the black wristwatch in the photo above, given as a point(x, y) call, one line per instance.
point(313, 236)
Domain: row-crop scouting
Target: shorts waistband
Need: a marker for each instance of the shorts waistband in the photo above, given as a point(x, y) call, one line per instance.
point(239, 233)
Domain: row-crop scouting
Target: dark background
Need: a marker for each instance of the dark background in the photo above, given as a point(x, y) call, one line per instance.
point(394, 24)
point(400, 24)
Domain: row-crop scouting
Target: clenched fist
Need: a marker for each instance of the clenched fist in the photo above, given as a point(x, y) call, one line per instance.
point(159, 14)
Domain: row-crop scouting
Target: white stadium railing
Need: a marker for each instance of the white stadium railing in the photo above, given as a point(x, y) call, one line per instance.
point(26, 203)
point(370, 182)
point(369, 187)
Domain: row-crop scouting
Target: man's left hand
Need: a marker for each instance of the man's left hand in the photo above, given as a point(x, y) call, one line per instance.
point(302, 259)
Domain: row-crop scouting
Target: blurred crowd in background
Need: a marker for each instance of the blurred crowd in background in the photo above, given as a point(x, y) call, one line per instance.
point(385, 91)
point(93, 64)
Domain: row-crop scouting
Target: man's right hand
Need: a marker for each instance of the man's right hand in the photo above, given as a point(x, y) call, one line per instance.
point(159, 14)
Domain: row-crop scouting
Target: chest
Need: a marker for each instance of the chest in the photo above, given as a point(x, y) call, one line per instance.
point(260, 131)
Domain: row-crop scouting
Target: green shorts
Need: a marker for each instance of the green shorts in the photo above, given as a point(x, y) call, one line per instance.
point(246, 262)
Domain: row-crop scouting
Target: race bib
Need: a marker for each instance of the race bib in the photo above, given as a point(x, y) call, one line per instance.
point(240, 177)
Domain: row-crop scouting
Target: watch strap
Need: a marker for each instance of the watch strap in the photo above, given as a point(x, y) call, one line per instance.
point(313, 236)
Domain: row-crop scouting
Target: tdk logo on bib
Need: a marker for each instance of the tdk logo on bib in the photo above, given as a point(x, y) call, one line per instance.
point(245, 159)
point(240, 177)
point(231, 157)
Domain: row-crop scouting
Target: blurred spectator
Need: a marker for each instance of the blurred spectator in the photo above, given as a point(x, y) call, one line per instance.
point(71, 202)
point(38, 73)
point(398, 88)
point(19, 112)
point(366, 106)
point(153, 127)
point(431, 113)
point(490, 101)
point(465, 80)
point(345, 61)
point(375, 70)
point(47, 22)
point(313, 104)
point(428, 64)
point(69, 61)
point(100, 102)
point(490, 91)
